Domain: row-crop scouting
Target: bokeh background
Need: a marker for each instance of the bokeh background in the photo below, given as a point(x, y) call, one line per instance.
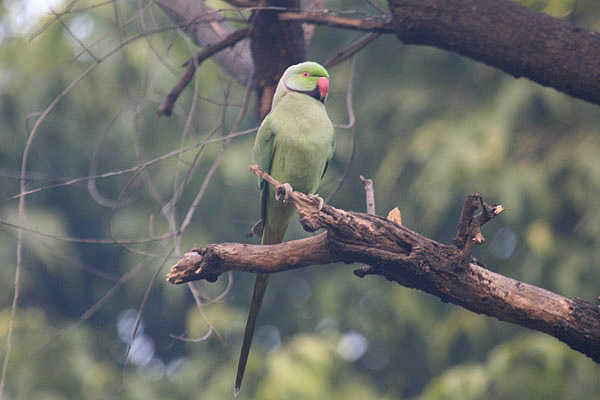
point(431, 128)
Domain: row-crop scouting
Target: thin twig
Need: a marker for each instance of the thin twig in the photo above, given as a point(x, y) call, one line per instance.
point(91, 184)
point(68, 30)
point(131, 99)
point(209, 174)
point(138, 320)
point(200, 306)
point(86, 240)
point(21, 213)
point(130, 169)
point(349, 51)
point(100, 303)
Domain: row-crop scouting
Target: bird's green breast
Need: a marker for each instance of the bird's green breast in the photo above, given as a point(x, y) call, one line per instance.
point(303, 141)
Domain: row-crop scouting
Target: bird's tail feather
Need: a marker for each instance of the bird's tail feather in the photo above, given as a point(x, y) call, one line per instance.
point(260, 286)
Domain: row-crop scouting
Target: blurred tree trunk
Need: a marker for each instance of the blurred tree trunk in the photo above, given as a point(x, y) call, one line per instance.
point(275, 46)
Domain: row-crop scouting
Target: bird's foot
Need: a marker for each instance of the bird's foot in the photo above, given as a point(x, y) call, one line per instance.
point(313, 196)
point(284, 190)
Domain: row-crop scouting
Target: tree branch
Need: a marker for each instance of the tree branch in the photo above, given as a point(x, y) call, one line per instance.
point(166, 107)
point(501, 33)
point(409, 259)
point(344, 54)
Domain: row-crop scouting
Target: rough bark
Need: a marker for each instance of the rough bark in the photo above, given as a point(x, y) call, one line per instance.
point(409, 259)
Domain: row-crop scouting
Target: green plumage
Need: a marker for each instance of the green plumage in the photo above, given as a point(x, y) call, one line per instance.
point(295, 142)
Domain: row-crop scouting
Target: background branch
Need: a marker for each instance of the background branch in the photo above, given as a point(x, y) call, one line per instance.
point(501, 33)
point(166, 107)
point(206, 27)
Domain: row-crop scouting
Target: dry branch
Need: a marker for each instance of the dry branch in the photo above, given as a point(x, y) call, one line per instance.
point(166, 107)
point(409, 259)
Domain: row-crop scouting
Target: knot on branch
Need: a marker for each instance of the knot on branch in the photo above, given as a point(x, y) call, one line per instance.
point(469, 224)
point(364, 271)
point(192, 266)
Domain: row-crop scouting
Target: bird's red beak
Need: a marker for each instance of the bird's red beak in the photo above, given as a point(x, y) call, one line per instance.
point(323, 87)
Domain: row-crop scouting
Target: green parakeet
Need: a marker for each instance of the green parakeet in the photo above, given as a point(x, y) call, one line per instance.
point(294, 144)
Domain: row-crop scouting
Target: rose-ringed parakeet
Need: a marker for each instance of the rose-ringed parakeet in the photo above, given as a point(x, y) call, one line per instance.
point(294, 144)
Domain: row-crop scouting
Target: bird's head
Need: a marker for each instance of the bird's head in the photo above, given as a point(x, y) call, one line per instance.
point(309, 78)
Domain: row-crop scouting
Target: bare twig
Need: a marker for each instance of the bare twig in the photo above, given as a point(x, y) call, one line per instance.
point(347, 52)
point(369, 194)
point(166, 107)
point(469, 224)
point(138, 320)
point(370, 200)
point(91, 183)
point(130, 169)
point(68, 30)
point(209, 174)
point(87, 240)
point(107, 296)
point(211, 329)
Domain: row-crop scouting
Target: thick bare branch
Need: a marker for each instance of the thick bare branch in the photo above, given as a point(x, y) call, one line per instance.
point(409, 259)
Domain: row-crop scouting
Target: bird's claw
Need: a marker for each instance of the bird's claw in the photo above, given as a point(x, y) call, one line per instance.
point(284, 190)
point(313, 196)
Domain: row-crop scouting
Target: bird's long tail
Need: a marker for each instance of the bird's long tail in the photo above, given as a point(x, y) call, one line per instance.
point(260, 286)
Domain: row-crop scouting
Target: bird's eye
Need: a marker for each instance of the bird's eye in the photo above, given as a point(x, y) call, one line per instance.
point(305, 74)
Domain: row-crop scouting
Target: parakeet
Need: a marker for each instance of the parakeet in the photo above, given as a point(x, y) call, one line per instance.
point(294, 144)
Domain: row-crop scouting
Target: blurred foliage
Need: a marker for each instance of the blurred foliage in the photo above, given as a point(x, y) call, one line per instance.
point(431, 128)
